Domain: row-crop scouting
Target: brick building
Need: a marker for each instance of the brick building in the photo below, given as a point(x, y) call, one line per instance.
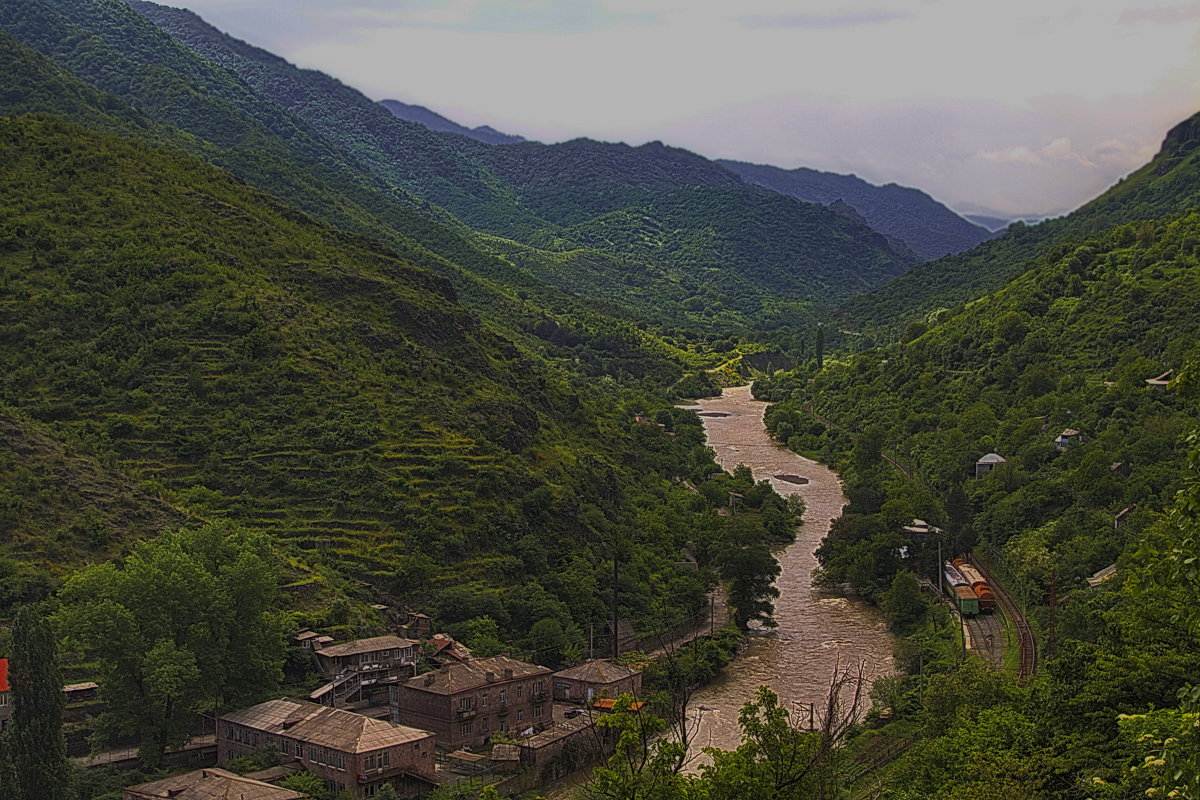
point(595, 678)
point(464, 704)
point(350, 751)
point(209, 784)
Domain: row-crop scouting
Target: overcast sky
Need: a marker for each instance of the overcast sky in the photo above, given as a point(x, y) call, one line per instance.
point(1024, 106)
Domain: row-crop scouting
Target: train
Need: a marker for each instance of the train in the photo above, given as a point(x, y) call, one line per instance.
point(961, 593)
point(987, 600)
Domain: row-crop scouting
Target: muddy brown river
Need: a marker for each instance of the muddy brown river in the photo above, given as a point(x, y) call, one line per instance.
point(818, 630)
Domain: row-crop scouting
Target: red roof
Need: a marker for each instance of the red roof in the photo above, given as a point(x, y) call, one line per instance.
point(607, 704)
point(3, 674)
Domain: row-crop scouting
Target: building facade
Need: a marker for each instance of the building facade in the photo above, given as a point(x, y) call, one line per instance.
point(464, 704)
point(351, 752)
point(597, 678)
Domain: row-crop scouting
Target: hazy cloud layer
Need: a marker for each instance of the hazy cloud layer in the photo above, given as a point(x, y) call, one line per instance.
point(1024, 106)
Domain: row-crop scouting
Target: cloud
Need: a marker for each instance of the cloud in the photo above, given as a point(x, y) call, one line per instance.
point(1163, 15)
point(846, 20)
point(1014, 155)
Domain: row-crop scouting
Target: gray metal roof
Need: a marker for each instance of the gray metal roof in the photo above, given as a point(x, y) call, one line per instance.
point(324, 726)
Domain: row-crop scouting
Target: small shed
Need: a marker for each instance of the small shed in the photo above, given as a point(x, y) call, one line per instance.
point(596, 678)
point(1162, 381)
point(1103, 575)
point(1067, 438)
point(506, 757)
point(1119, 519)
point(986, 464)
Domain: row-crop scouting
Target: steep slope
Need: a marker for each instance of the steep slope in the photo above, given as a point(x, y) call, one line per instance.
point(436, 122)
point(241, 360)
point(112, 46)
point(535, 193)
point(910, 215)
point(1166, 186)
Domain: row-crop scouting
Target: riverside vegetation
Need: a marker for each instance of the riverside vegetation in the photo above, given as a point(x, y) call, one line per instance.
point(269, 354)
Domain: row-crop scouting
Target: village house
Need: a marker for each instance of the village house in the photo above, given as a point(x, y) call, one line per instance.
point(209, 784)
point(986, 464)
point(597, 678)
point(443, 650)
point(465, 703)
point(5, 695)
point(1067, 438)
point(355, 669)
point(351, 752)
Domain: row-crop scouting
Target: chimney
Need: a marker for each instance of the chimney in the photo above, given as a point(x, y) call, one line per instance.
point(508, 673)
point(429, 676)
point(489, 676)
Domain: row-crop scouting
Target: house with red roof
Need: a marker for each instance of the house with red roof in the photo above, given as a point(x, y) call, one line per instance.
point(5, 695)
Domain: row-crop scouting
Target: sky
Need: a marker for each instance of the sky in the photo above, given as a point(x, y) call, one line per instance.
point(1025, 107)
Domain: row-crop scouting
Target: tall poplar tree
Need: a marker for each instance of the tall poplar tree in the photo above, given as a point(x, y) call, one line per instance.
point(36, 748)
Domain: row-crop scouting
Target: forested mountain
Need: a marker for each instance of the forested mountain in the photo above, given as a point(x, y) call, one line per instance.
point(507, 191)
point(1067, 346)
point(1168, 185)
point(909, 215)
point(436, 122)
point(212, 353)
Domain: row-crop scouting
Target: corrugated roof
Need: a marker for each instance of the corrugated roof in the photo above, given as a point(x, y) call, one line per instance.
point(324, 726)
point(213, 784)
point(991, 458)
point(359, 646)
point(473, 674)
point(596, 671)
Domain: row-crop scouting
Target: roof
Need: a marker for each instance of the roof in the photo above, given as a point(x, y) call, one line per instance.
point(609, 703)
point(3, 674)
point(1069, 432)
point(359, 646)
point(213, 784)
point(324, 726)
point(306, 635)
point(556, 732)
point(1161, 380)
point(991, 458)
point(81, 687)
point(1103, 575)
point(596, 671)
point(506, 752)
point(467, 675)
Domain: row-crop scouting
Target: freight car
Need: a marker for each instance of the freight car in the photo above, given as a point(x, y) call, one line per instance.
point(987, 600)
point(961, 593)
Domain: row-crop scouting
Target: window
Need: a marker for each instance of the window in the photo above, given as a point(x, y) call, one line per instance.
point(370, 789)
point(464, 704)
point(341, 759)
point(504, 695)
point(520, 714)
point(369, 762)
point(521, 691)
point(539, 710)
point(385, 759)
point(3, 698)
point(465, 729)
point(484, 726)
point(285, 747)
point(484, 700)
point(503, 725)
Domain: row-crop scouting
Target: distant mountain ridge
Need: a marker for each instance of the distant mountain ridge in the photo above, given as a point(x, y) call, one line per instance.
point(436, 122)
point(926, 226)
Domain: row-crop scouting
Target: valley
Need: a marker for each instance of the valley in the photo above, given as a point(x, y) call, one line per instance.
point(348, 451)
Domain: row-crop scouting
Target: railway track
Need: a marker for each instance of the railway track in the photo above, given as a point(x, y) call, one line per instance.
point(1026, 643)
point(987, 640)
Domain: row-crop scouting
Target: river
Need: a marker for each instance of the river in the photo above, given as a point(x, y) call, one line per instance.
point(818, 629)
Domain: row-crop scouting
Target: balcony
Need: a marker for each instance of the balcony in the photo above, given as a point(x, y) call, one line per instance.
point(466, 713)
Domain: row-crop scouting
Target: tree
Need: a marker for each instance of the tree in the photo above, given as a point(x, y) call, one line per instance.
point(547, 639)
point(38, 751)
point(483, 637)
point(749, 567)
point(185, 624)
point(644, 765)
point(820, 345)
point(306, 783)
point(902, 602)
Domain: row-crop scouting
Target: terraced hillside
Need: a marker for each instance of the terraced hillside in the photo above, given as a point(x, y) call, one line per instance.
point(235, 358)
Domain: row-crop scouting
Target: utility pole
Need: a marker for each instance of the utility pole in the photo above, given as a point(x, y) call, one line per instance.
point(616, 643)
point(1052, 612)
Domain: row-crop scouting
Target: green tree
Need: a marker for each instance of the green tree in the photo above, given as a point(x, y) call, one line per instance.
point(750, 569)
point(38, 750)
point(306, 783)
point(902, 603)
point(547, 640)
point(483, 637)
point(820, 346)
point(184, 624)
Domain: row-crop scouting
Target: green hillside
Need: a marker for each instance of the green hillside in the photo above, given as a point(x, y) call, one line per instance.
point(1067, 345)
point(553, 198)
point(1165, 187)
point(213, 349)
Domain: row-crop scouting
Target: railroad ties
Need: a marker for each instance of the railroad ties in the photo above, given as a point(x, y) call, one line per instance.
point(1026, 643)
